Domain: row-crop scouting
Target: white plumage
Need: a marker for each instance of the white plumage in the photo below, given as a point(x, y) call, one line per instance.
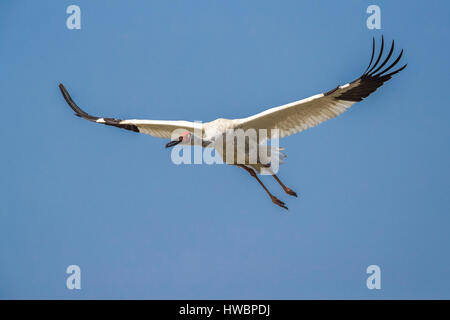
point(288, 119)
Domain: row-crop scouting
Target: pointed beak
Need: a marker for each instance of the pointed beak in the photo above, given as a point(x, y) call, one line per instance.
point(174, 142)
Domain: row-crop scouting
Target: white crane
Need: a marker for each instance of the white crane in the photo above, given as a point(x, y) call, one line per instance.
point(287, 119)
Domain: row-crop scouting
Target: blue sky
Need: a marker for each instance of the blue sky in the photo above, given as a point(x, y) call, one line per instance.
point(373, 183)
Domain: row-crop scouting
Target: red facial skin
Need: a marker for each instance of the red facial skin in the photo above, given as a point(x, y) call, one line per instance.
point(186, 136)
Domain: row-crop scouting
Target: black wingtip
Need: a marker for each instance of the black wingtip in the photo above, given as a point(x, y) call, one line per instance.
point(385, 60)
point(69, 100)
point(64, 92)
point(395, 72)
point(382, 73)
point(373, 53)
point(376, 70)
point(379, 56)
point(78, 112)
point(375, 75)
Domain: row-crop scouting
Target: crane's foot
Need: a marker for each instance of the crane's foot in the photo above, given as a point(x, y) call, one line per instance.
point(290, 192)
point(278, 202)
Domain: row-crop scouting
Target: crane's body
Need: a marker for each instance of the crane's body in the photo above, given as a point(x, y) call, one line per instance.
point(277, 122)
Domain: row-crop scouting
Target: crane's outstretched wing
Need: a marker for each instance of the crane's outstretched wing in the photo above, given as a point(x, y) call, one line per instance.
point(156, 128)
point(301, 115)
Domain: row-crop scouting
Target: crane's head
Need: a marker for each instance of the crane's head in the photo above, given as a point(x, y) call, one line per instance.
point(184, 138)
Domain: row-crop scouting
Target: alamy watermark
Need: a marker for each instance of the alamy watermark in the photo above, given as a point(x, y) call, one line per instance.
point(232, 146)
point(374, 280)
point(374, 20)
point(74, 280)
point(74, 20)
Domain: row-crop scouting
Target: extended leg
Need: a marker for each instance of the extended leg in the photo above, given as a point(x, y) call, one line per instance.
point(254, 175)
point(286, 189)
